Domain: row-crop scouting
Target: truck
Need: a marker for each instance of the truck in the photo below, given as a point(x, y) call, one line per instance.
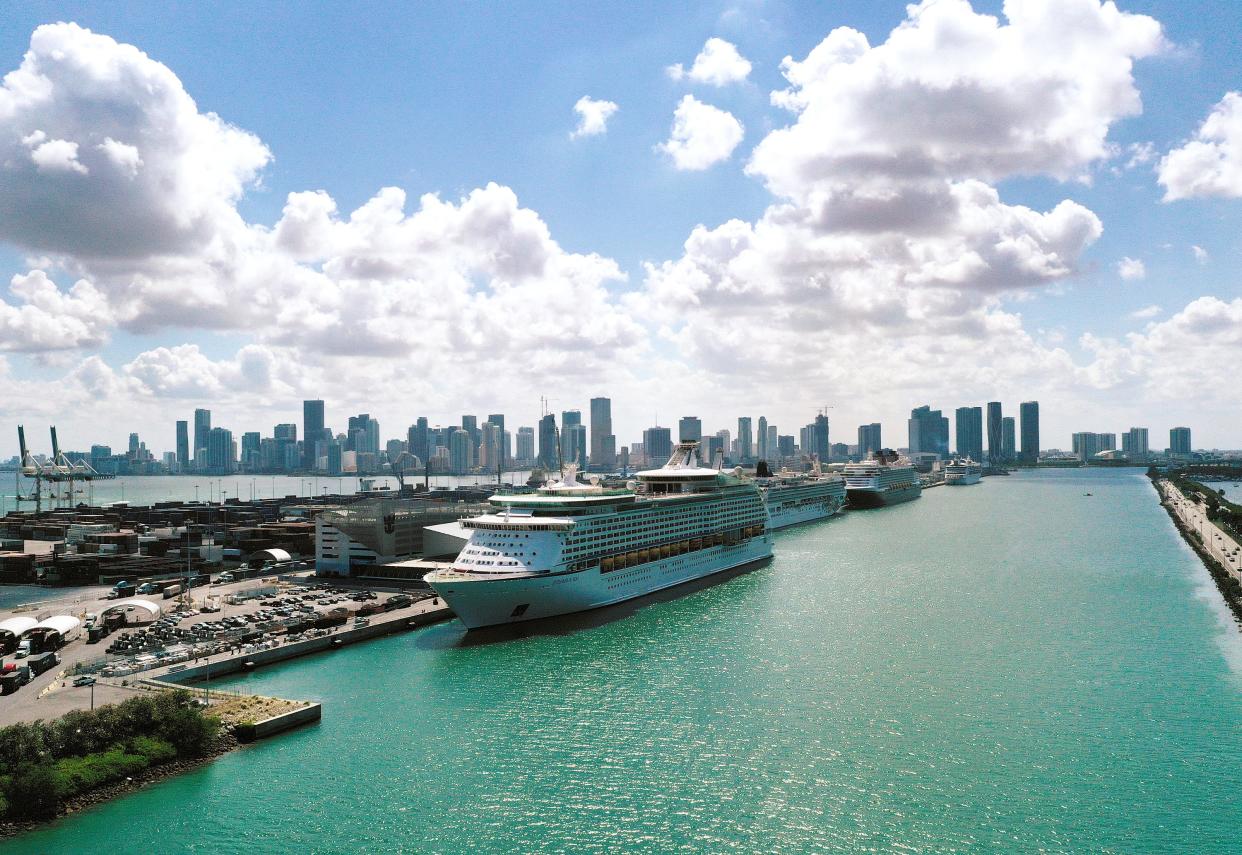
point(8, 642)
point(104, 627)
point(41, 662)
point(123, 588)
point(171, 591)
point(159, 586)
point(12, 677)
point(38, 641)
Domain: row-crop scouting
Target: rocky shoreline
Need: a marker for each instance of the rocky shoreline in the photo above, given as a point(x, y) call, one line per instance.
point(225, 743)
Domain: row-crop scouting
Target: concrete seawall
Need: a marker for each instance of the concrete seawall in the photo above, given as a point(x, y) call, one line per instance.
point(278, 723)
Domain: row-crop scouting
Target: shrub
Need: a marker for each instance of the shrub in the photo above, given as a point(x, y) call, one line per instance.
point(79, 774)
point(33, 792)
point(156, 750)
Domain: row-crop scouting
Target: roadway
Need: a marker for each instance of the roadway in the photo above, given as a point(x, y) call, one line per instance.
point(1219, 544)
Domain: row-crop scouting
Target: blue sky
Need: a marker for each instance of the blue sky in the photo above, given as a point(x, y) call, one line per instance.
point(445, 98)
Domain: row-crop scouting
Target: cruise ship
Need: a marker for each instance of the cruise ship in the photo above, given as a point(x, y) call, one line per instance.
point(885, 479)
point(798, 497)
point(961, 472)
point(569, 547)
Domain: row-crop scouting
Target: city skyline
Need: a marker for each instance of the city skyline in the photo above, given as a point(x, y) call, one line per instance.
point(642, 233)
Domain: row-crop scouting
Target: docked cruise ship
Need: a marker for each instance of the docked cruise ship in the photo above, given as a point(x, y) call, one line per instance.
point(961, 472)
point(885, 479)
point(569, 547)
point(798, 497)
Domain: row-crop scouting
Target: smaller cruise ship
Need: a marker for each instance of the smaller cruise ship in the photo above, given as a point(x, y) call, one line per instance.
point(885, 479)
point(798, 497)
point(962, 471)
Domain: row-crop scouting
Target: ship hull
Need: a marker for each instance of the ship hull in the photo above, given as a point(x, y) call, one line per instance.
point(786, 517)
point(862, 498)
point(482, 603)
point(963, 480)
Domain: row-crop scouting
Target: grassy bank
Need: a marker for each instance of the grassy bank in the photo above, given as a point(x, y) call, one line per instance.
point(45, 765)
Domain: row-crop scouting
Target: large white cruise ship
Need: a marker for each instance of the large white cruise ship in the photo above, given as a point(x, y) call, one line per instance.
point(798, 497)
point(885, 479)
point(570, 547)
point(961, 472)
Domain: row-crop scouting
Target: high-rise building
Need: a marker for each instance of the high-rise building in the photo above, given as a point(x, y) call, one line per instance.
point(250, 460)
point(821, 445)
point(524, 454)
point(336, 457)
point(461, 451)
point(312, 431)
point(202, 427)
point(726, 442)
point(183, 445)
point(774, 450)
point(785, 447)
point(1086, 445)
point(574, 444)
point(690, 429)
point(658, 444)
point(220, 451)
point(761, 439)
point(1029, 411)
point(1134, 443)
point(745, 447)
point(470, 424)
point(970, 433)
point(569, 419)
point(363, 435)
point(1179, 440)
point(1007, 439)
point(498, 419)
point(133, 445)
point(603, 440)
point(869, 440)
point(929, 431)
point(549, 454)
point(491, 446)
point(416, 439)
point(994, 432)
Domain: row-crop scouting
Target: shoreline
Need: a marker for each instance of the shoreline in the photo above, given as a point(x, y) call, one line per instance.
point(1220, 576)
point(226, 743)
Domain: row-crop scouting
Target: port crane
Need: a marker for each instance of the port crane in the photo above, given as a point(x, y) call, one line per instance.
point(49, 475)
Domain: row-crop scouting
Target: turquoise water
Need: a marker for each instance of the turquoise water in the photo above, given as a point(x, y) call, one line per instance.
point(1008, 667)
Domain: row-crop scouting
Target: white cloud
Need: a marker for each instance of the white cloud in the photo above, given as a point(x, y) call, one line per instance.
point(718, 64)
point(702, 135)
point(1146, 313)
point(1201, 254)
point(85, 105)
point(955, 94)
point(593, 116)
point(1131, 269)
point(47, 319)
point(1210, 164)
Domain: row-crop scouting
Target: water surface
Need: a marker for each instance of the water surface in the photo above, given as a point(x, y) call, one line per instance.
point(1013, 666)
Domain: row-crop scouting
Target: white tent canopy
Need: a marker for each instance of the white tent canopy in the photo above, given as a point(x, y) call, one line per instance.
point(278, 556)
point(64, 624)
point(153, 610)
point(18, 625)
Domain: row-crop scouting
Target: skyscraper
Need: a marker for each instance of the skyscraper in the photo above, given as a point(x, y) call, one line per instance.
point(491, 446)
point(690, 429)
point(869, 440)
point(498, 419)
point(929, 431)
point(461, 451)
point(250, 451)
point(745, 448)
point(821, 445)
point(970, 433)
point(1007, 439)
point(774, 438)
point(219, 450)
point(1134, 443)
point(549, 455)
point(312, 431)
point(994, 432)
point(658, 444)
point(761, 439)
point(183, 445)
point(417, 438)
point(202, 427)
point(524, 454)
point(1029, 411)
point(603, 441)
point(1179, 440)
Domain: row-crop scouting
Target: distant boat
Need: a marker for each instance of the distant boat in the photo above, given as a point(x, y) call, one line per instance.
point(1086, 494)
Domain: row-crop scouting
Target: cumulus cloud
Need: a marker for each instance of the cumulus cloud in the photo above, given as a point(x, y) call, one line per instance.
point(1131, 269)
point(48, 319)
point(956, 94)
point(702, 135)
point(1201, 254)
point(718, 64)
point(1211, 163)
point(593, 116)
point(121, 125)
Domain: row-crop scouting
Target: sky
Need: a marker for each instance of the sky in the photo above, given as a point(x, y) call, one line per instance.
point(719, 209)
